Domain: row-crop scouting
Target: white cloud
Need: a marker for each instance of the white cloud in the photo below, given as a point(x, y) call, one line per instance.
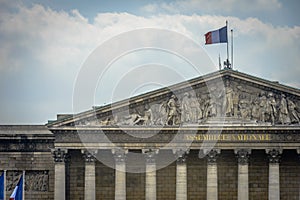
point(57, 43)
point(190, 6)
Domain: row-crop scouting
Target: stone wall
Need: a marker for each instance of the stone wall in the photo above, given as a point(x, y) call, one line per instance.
point(166, 182)
point(227, 175)
point(105, 182)
point(289, 175)
point(196, 176)
point(39, 173)
point(75, 177)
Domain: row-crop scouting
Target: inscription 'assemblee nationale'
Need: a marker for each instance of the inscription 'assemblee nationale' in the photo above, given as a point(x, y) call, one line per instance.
point(229, 137)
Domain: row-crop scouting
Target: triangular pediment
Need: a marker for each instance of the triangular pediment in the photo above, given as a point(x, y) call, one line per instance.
point(228, 97)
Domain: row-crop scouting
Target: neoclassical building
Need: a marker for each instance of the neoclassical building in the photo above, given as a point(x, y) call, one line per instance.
point(225, 135)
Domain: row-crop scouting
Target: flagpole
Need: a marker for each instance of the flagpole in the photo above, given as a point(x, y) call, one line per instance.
point(220, 66)
point(23, 186)
point(4, 189)
point(227, 42)
point(231, 48)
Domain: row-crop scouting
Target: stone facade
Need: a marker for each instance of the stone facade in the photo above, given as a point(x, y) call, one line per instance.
point(226, 135)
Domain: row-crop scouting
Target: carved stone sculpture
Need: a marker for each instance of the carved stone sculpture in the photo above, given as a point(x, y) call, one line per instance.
point(244, 109)
point(283, 111)
point(173, 112)
point(293, 112)
point(235, 103)
point(271, 107)
point(162, 114)
point(196, 112)
point(263, 106)
point(186, 108)
point(255, 112)
point(228, 101)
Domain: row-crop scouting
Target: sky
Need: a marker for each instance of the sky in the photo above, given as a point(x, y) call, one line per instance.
point(46, 45)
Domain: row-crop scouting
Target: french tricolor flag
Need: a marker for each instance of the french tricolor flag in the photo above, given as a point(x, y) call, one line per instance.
point(18, 191)
point(217, 36)
point(2, 186)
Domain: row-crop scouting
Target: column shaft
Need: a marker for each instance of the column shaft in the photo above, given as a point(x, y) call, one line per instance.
point(212, 174)
point(90, 174)
point(90, 181)
point(181, 181)
point(120, 181)
point(243, 179)
point(274, 186)
point(120, 173)
point(59, 156)
point(243, 182)
point(212, 182)
point(181, 173)
point(150, 181)
point(59, 181)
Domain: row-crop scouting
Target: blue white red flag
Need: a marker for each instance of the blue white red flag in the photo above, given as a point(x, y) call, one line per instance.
point(18, 191)
point(2, 187)
point(217, 36)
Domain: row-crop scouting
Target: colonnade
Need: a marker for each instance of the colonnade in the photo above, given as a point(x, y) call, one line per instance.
point(181, 173)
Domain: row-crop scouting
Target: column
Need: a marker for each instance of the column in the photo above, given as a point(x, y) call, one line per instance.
point(150, 173)
point(274, 185)
point(120, 176)
point(59, 156)
point(243, 180)
point(212, 174)
point(90, 174)
point(181, 173)
point(298, 151)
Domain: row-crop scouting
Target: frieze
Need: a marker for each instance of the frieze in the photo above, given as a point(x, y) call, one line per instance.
point(234, 100)
point(26, 146)
point(35, 180)
point(188, 135)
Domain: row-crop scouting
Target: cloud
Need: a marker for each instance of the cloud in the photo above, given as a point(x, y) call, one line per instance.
point(43, 49)
point(223, 6)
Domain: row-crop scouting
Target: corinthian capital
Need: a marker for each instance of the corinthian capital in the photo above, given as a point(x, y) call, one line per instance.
point(274, 155)
point(59, 155)
point(119, 154)
point(243, 156)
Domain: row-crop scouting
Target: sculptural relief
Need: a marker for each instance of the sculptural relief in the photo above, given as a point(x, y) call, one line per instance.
point(284, 117)
point(173, 113)
point(245, 110)
point(186, 109)
point(196, 112)
point(35, 180)
point(228, 100)
point(271, 107)
point(255, 110)
point(236, 101)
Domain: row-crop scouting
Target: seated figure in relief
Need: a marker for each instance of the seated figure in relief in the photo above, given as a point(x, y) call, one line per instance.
point(293, 111)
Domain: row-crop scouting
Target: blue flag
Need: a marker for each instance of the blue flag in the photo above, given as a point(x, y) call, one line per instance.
point(18, 191)
point(2, 187)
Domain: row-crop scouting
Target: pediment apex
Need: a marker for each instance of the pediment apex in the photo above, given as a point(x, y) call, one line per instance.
point(153, 108)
